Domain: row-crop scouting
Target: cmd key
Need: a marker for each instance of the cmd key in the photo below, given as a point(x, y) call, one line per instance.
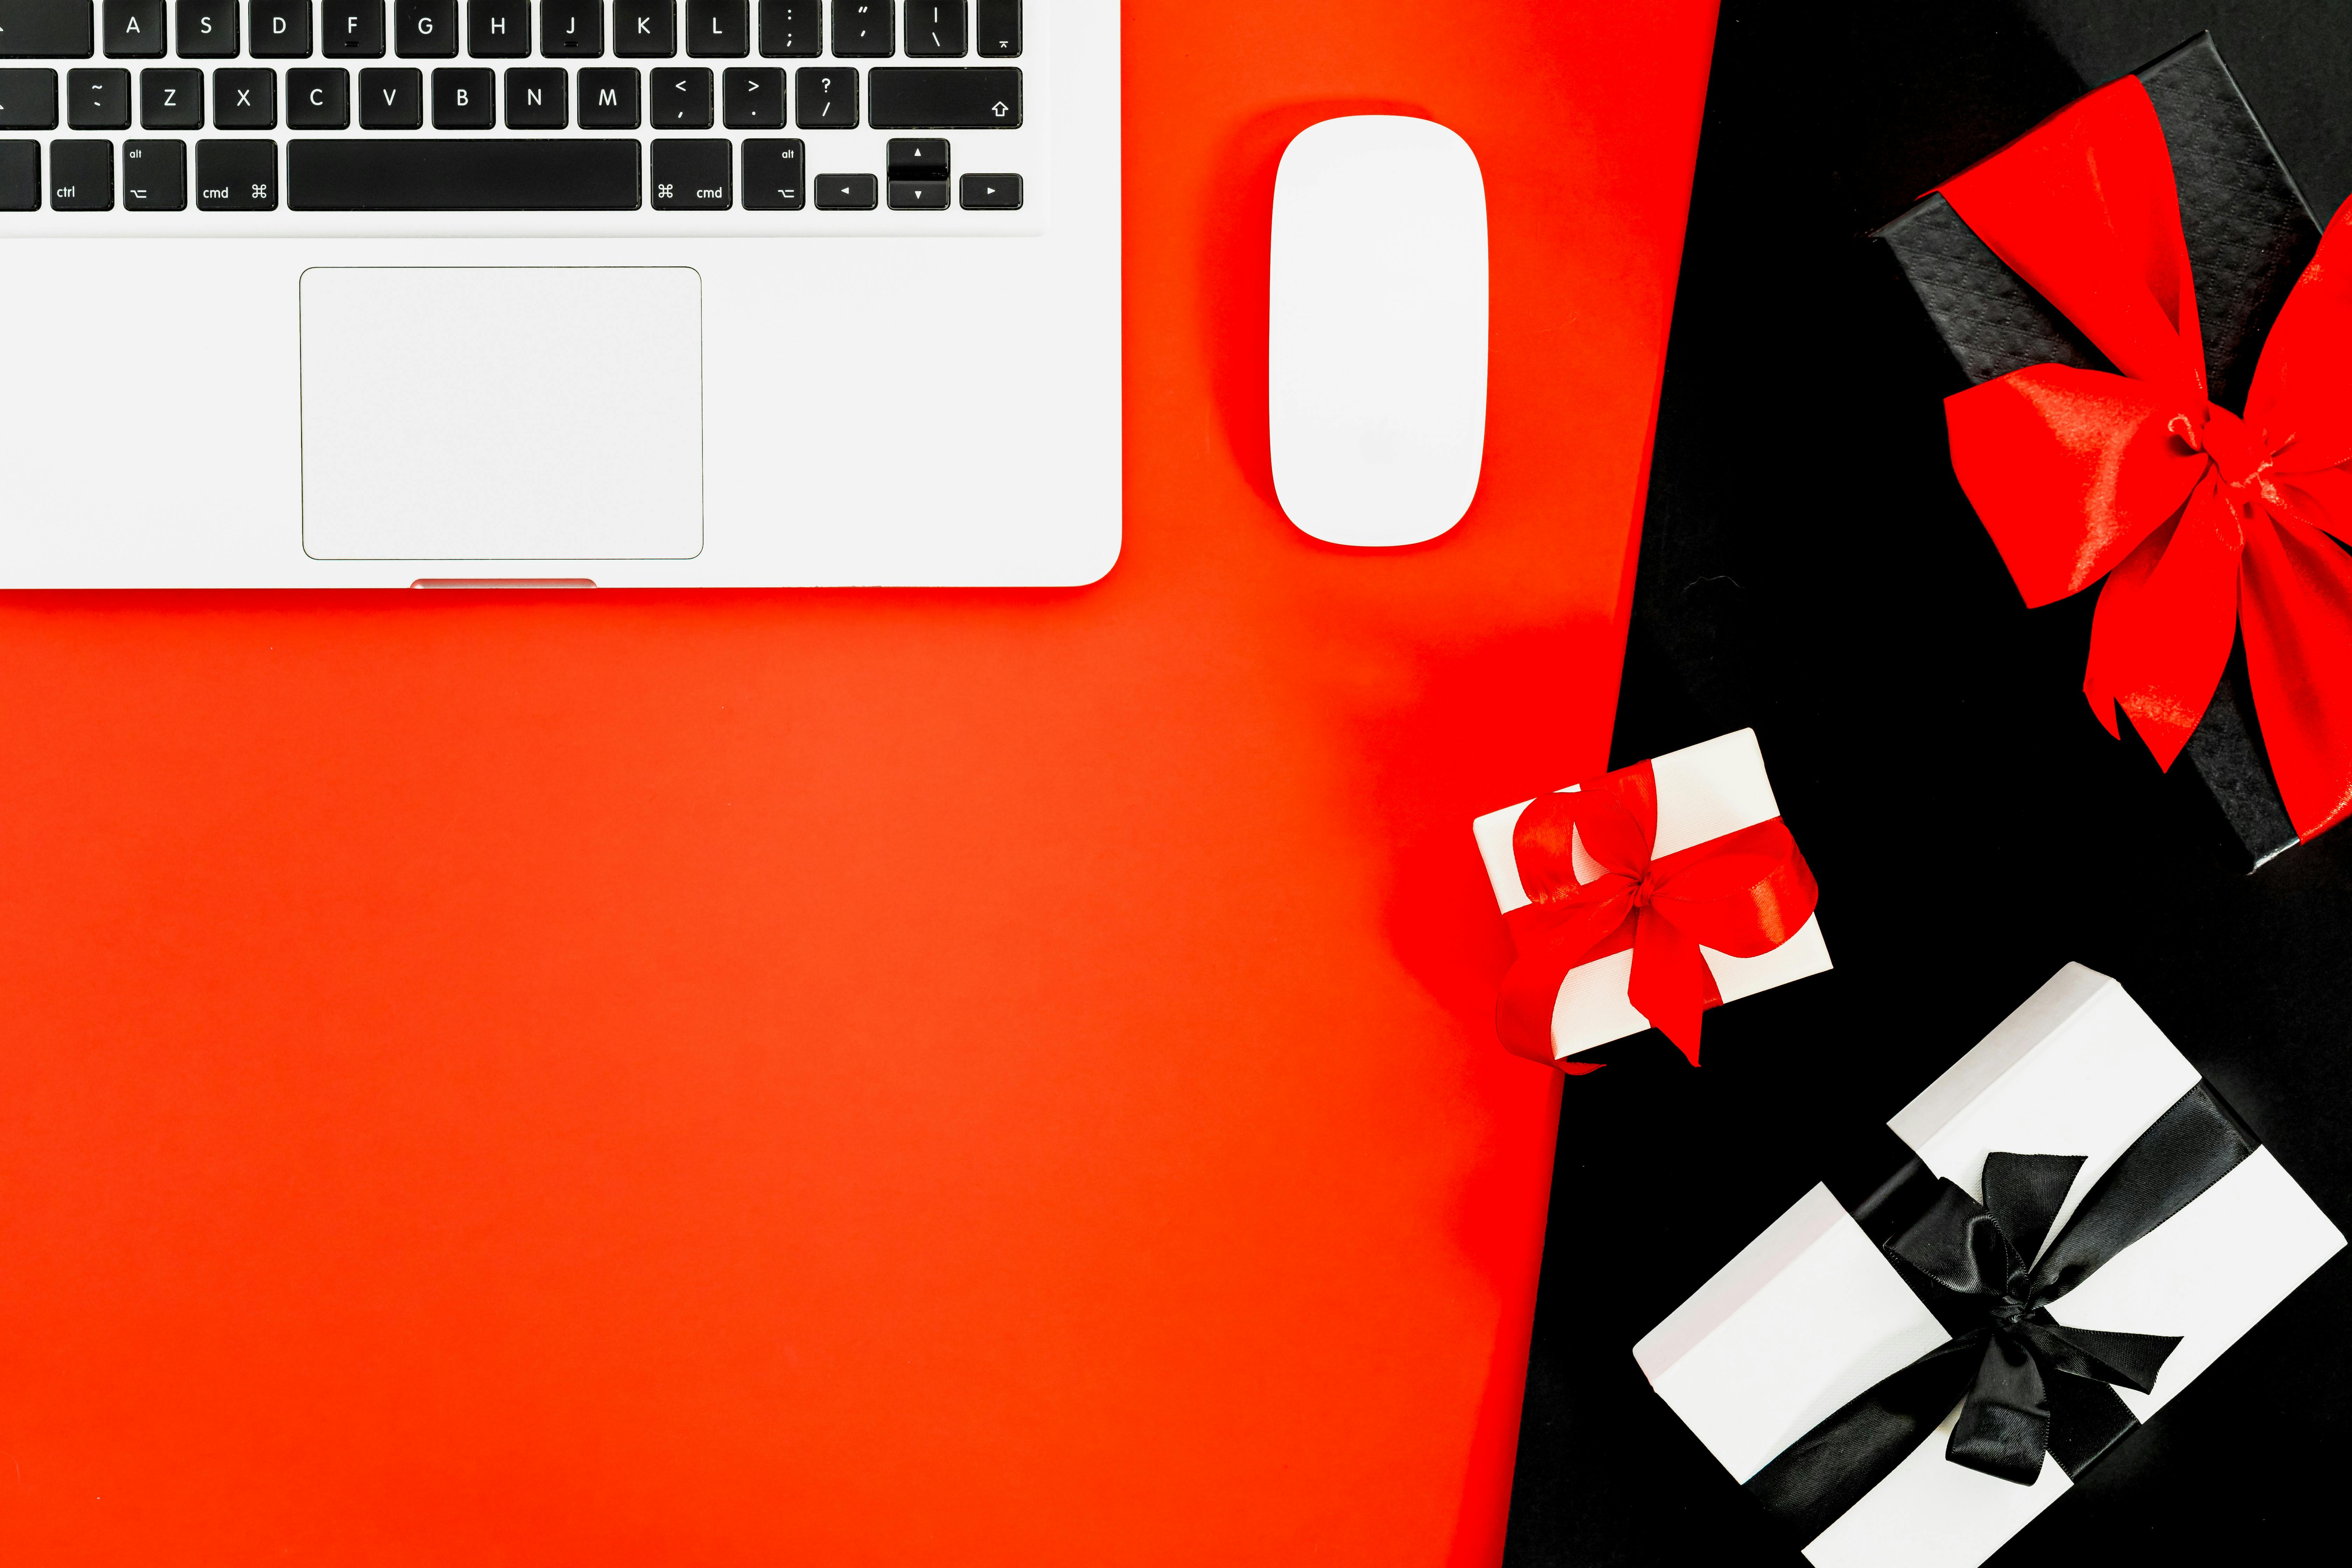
point(47, 29)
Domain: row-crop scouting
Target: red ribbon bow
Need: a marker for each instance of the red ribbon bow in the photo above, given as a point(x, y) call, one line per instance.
point(2200, 521)
point(1743, 894)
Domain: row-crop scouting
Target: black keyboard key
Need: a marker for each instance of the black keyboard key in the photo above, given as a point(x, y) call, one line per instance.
point(680, 97)
point(539, 98)
point(81, 176)
point(935, 29)
point(991, 192)
point(351, 29)
point(572, 29)
point(773, 174)
point(244, 98)
point(464, 98)
point(133, 30)
point(693, 176)
point(98, 100)
point(556, 174)
point(28, 99)
point(845, 193)
point(497, 29)
point(317, 99)
point(20, 177)
point(644, 29)
point(791, 30)
point(236, 176)
point(425, 29)
point(205, 29)
point(172, 99)
point(46, 30)
point(918, 195)
point(916, 158)
point(717, 30)
point(281, 31)
point(1000, 29)
point(862, 30)
point(608, 99)
point(155, 176)
point(982, 98)
point(753, 96)
point(827, 96)
point(391, 97)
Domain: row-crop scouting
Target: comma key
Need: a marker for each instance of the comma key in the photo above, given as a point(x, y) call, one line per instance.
point(155, 176)
point(236, 176)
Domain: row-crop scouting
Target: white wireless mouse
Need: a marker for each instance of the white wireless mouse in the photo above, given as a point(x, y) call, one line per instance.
point(1376, 345)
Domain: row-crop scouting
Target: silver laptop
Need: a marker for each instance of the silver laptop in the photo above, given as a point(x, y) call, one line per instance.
point(369, 293)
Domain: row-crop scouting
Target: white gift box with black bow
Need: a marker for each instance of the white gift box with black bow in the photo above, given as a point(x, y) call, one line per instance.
point(1813, 1313)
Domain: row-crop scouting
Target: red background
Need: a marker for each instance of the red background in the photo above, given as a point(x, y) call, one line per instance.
point(854, 1077)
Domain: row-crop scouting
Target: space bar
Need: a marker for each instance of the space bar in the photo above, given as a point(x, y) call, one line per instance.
point(459, 176)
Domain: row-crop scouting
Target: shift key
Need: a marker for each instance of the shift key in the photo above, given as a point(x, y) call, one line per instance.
point(28, 99)
point(46, 30)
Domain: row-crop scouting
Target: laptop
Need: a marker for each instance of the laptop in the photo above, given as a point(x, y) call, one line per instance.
point(652, 293)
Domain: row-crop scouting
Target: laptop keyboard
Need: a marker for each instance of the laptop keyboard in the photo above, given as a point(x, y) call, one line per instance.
point(367, 112)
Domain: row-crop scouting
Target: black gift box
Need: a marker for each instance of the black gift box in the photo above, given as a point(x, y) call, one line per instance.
point(2250, 236)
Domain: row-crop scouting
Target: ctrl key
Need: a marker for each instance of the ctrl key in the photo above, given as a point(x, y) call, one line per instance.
point(20, 177)
point(236, 176)
point(81, 176)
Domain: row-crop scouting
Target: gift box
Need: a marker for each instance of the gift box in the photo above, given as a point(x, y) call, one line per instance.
point(2247, 237)
point(1646, 897)
point(2062, 1233)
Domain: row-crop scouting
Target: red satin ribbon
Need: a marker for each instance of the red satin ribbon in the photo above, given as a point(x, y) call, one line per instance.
point(2202, 522)
point(1743, 894)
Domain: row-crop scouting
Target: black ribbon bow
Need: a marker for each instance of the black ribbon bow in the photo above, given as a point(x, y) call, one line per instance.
point(2027, 1385)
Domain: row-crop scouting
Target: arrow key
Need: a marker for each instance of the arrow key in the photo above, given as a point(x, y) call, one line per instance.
point(991, 192)
point(846, 193)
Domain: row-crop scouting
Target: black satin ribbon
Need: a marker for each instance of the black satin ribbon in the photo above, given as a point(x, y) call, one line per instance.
point(2026, 1385)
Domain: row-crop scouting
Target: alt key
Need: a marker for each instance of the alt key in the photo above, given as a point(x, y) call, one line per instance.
point(155, 176)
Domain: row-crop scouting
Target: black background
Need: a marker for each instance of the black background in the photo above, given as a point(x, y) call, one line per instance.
point(1810, 567)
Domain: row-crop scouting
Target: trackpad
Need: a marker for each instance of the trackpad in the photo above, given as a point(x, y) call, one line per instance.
point(501, 412)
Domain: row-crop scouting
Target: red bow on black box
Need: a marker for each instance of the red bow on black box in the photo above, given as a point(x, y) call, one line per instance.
point(2196, 469)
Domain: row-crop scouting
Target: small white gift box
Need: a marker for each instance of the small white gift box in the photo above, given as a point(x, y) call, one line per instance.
point(1812, 1313)
point(1705, 792)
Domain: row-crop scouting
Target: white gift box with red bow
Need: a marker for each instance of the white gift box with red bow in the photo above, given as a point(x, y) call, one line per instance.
point(1706, 791)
